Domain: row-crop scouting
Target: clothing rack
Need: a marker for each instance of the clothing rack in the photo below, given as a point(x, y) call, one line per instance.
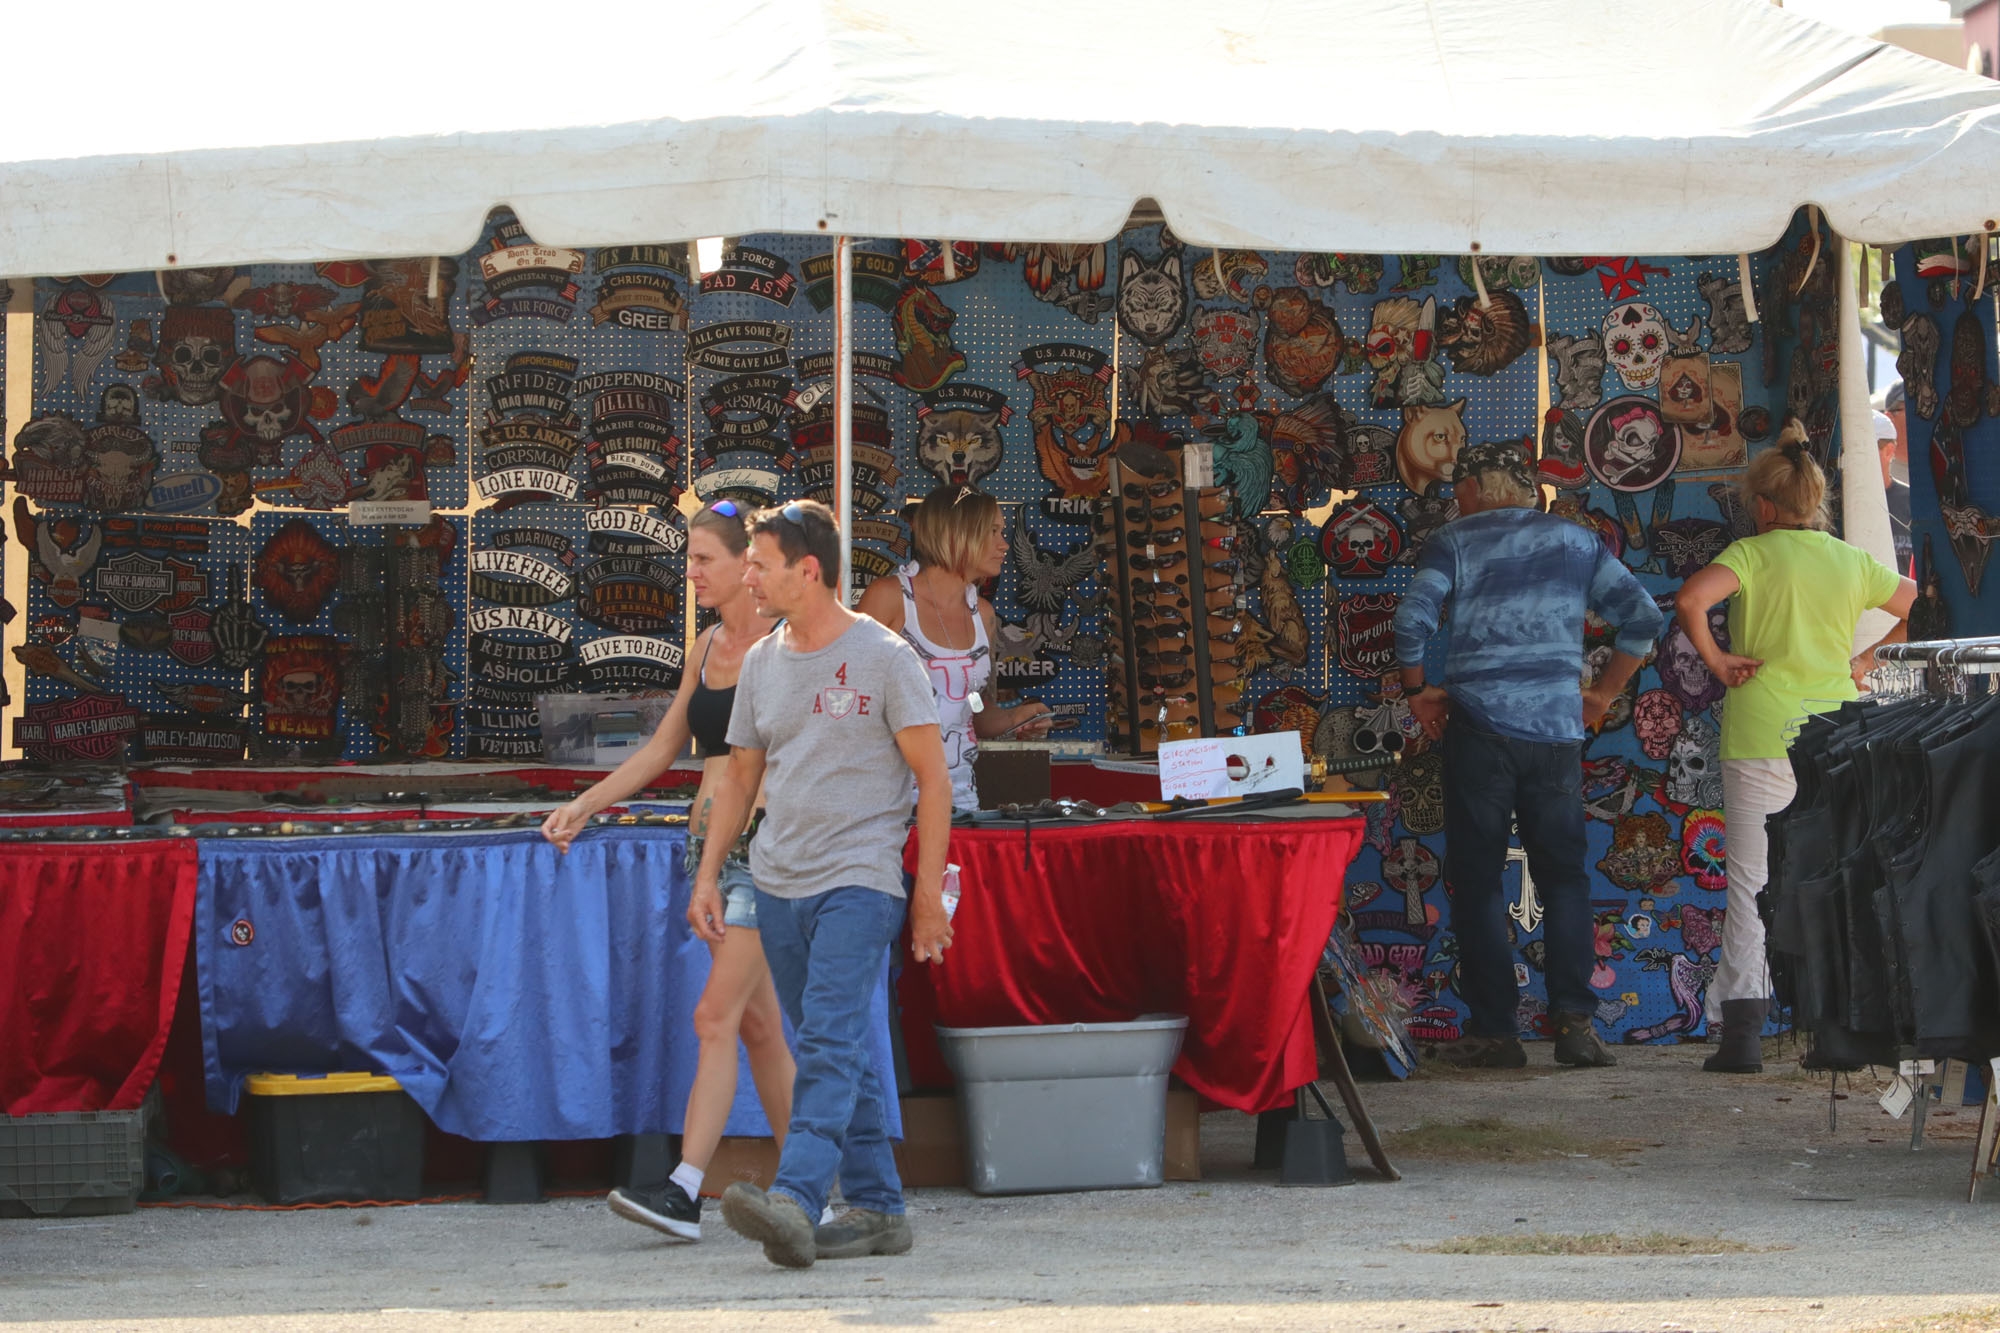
point(1933, 664)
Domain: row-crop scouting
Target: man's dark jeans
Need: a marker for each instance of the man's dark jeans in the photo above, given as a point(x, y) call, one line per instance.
point(1490, 783)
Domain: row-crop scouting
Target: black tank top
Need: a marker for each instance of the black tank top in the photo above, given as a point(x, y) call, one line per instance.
point(709, 710)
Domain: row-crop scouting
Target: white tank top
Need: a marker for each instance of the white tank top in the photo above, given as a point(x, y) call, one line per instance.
point(955, 674)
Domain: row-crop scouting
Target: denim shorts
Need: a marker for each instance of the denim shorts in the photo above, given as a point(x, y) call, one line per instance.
point(739, 894)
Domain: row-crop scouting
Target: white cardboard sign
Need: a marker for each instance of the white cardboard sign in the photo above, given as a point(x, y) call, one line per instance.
point(1231, 766)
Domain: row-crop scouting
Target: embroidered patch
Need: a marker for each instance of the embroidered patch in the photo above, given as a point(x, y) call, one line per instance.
point(1629, 446)
point(1365, 630)
point(1361, 539)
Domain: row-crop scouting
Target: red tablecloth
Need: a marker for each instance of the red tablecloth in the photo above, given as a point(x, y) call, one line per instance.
point(1223, 922)
point(93, 938)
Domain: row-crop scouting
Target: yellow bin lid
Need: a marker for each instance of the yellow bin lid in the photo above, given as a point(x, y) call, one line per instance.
point(317, 1085)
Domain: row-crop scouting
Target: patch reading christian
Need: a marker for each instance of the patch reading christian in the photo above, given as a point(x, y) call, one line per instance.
point(641, 287)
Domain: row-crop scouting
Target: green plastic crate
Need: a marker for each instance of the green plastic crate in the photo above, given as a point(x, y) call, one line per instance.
point(74, 1163)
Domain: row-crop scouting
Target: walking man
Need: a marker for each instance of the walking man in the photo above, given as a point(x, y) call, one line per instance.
point(1517, 583)
point(833, 716)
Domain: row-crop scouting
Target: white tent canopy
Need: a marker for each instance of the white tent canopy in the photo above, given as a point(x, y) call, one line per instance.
point(290, 133)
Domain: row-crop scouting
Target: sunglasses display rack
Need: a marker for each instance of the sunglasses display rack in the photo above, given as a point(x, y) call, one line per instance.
point(1173, 620)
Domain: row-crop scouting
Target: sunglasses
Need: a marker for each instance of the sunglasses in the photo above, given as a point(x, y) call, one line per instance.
point(1169, 593)
point(1161, 697)
point(1170, 634)
point(1173, 537)
point(1158, 490)
point(1166, 659)
point(1187, 726)
point(1157, 562)
point(1142, 613)
point(1159, 513)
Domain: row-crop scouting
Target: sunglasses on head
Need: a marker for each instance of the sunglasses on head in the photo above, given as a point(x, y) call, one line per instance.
point(726, 508)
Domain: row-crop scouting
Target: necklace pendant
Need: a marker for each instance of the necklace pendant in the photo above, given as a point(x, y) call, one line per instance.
point(975, 703)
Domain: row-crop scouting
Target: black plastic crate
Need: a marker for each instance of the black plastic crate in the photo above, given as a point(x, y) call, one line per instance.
point(74, 1163)
point(339, 1138)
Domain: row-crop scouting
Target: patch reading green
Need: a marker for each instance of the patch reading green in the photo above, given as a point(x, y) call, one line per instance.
point(1492, 1139)
point(1597, 1243)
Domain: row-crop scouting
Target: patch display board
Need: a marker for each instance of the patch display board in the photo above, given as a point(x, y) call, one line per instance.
point(135, 633)
point(1950, 403)
point(305, 386)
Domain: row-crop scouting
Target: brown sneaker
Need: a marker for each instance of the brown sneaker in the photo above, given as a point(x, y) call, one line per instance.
point(1483, 1053)
point(1577, 1043)
point(860, 1232)
point(774, 1220)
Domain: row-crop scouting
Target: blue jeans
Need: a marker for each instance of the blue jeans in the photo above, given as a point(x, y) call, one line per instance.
point(825, 954)
point(1491, 783)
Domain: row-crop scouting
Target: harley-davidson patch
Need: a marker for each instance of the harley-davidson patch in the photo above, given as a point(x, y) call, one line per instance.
point(90, 728)
point(190, 738)
point(134, 581)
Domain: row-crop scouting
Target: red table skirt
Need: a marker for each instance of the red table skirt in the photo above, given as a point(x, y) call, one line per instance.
point(1101, 923)
point(93, 939)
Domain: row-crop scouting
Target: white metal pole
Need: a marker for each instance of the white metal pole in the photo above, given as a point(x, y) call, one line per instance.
point(843, 408)
point(1864, 505)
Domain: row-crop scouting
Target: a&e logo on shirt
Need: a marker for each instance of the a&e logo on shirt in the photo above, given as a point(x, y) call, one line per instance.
point(837, 703)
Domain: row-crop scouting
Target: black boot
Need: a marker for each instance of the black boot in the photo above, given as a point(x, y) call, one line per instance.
point(1741, 1048)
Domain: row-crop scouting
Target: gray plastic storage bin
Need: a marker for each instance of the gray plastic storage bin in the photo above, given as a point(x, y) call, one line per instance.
point(1078, 1106)
point(74, 1163)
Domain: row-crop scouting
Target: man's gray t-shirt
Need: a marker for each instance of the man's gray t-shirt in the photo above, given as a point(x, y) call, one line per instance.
point(836, 789)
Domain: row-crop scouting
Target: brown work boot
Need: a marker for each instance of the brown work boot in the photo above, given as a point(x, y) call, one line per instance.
point(1577, 1043)
point(774, 1220)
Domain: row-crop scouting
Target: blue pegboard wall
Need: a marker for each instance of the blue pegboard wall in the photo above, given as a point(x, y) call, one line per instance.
point(1948, 370)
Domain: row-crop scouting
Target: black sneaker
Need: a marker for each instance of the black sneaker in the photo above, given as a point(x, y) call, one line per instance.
point(667, 1209)
point(1577, 1043)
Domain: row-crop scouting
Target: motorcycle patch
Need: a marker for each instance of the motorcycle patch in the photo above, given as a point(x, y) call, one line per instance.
point(297, 570)
point(1361, 539)
point(1364, 628)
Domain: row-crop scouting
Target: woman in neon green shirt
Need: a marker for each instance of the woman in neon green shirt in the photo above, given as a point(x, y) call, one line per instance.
point(1795, 593)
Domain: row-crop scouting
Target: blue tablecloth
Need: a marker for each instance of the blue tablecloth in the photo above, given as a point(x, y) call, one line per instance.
point(518, 994)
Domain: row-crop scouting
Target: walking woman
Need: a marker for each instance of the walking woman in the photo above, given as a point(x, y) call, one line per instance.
point(1795, 595)
point(739, 999)
point(935, 605)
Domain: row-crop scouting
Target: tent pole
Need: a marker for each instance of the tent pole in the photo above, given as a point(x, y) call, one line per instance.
point(843, 408)
point(1864, 505)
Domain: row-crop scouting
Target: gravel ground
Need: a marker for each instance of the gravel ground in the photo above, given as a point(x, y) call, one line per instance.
point(1848, 1229)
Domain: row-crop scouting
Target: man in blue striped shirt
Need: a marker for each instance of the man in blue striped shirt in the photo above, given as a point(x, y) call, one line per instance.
point(1517, 583)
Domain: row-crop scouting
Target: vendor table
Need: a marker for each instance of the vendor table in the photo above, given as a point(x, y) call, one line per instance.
point(93, 939)
point(517, 993)
point(1223, 921)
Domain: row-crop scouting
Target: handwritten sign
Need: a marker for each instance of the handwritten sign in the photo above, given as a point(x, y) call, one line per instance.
point(1209, 768)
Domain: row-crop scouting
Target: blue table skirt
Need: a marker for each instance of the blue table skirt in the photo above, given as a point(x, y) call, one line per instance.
point(517, 993)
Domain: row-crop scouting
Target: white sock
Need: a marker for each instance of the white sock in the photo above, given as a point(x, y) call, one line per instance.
point(688, 1177)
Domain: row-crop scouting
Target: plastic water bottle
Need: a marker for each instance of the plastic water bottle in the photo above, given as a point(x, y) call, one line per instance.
point(950, 892)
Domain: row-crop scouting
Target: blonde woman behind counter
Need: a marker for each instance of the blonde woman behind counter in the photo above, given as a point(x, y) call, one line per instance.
point(739, 998)
point(933, 603)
